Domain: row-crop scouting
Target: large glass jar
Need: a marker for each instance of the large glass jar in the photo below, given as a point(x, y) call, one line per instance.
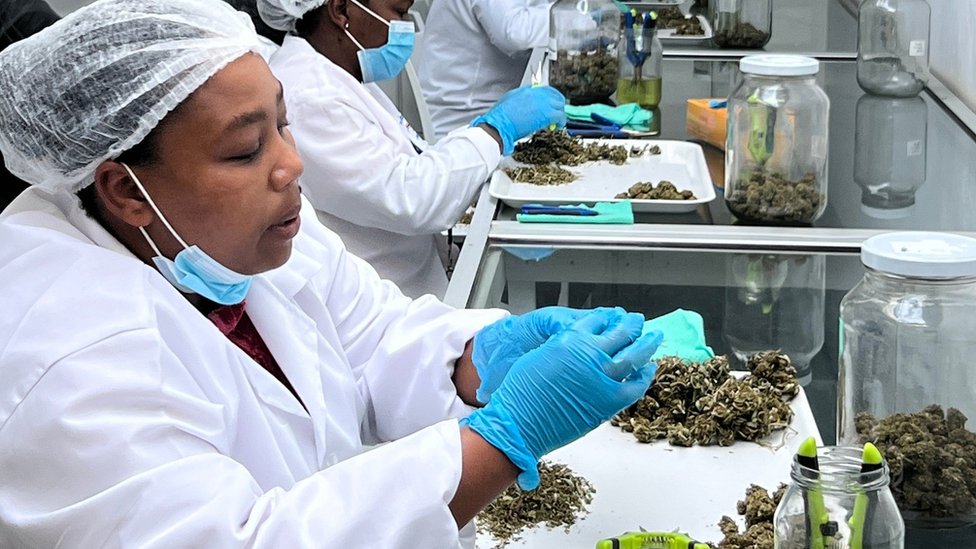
point(775, 302)
point(741, 23)
point(893, 46)
point(776, 142)
point(639, 61)
point(906, 376)
point(860, 511)
point(890, 146)
point(583, 37)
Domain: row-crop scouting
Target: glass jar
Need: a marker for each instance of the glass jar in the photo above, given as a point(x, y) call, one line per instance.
point(858, 505)
point(775, 302)
point(776, 142)
point(890, 146)
point(583, 37)
point(893, 46)
point(907, 343)
point(639, 61)
point(742, 24)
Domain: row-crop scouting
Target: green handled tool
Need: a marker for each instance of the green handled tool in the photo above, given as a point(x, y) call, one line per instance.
point(650, 540)
point(871, 461)
point(819, 525)
point(762, 120)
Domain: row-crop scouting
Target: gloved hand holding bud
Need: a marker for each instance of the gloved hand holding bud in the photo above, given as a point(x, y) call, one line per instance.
point(575, 381)
point(522, 112)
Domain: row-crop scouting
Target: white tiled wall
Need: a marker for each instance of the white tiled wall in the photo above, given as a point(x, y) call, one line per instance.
point(953, 54)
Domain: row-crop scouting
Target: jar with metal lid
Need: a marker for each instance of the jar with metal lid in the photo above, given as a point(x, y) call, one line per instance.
point(890, 146)
point(776, 141)
point(893, 46)
point(639, 61)
point(838, 503)
point(906, 375)
point(583, 38)
point(742, 24)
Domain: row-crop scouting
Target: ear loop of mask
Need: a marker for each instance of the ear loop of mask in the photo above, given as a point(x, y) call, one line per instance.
point(155, 209)
point(369, 11)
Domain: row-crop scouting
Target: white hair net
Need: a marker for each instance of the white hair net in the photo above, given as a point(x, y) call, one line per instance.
point(283, 14)
point(94, 84)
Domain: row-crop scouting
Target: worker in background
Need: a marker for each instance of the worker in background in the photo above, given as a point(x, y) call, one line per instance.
point(189, 359)
point(18, 20)
point(474, 51)
point(371, 178)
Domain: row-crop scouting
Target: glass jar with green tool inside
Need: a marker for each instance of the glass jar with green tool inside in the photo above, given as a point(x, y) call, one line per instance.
point(776, 142)
point(583, 38)
point(839, 498)
point(639, 59)
point(741, 24)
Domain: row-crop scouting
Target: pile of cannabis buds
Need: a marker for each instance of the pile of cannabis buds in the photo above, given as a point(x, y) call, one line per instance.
point(549, 150)
point(560, 499)
point(692, 403)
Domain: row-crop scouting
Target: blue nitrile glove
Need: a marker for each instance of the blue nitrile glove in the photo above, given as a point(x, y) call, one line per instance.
point(575, 381)
point(522, 112)
point(499, 345)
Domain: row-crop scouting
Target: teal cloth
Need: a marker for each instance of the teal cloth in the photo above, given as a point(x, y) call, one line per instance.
point(616, 213)
point(684, 336)
point(629, 115)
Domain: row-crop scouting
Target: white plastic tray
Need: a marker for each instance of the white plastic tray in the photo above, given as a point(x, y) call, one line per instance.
point(668, 38)
point(664, 488)
point(680, 162)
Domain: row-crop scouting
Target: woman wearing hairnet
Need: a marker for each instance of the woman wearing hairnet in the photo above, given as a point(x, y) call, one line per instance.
point(188, 359)
point(371, 178)
point(474, 52)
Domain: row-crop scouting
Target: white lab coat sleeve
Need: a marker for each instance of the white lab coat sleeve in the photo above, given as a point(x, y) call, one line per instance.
point(513, 26)
point(354, 171)
point(402, 351)
point(117, 447)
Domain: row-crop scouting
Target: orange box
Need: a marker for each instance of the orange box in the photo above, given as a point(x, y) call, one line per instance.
point(706, 123)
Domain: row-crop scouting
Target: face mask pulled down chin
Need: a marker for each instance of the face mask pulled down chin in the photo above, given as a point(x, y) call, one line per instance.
point(388, 60)
point(193, 271)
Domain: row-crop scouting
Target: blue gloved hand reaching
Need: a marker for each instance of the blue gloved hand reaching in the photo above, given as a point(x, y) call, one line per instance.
point(499, 345)
point(575, 381)
point(522, 112)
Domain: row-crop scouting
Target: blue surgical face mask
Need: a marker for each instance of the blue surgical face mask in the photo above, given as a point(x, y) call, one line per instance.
point(388, 60)
point(193, 271)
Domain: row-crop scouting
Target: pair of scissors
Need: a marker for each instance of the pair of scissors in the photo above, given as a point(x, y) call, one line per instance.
point(639, 45)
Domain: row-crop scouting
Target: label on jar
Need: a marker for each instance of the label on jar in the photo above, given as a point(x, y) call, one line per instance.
point(916, 48)
point(914, 148)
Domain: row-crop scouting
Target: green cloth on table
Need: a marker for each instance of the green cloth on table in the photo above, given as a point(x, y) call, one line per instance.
point(617, 213)
point(629, 115)
point(684, 336)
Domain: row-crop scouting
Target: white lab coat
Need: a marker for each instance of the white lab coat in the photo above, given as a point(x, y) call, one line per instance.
point(128, 420)
point(474, 51)
point(368, 183)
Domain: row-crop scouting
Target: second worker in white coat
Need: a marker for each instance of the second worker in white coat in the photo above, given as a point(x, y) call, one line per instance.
point(474, 52)
point(371, 178)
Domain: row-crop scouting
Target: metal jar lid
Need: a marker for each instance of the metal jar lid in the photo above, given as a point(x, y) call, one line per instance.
point(920, 254)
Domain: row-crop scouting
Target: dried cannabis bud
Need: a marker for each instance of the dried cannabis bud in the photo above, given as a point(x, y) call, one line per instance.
point(770, 197)
point(541, 175)
point(742, 35)
point(758, 509)
point(672, 18)
point(558, 502)
point(558, 147)
point(932, 457)
point(636, 151)
point(665, 190)
point(584, 77)
point(703, 404)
